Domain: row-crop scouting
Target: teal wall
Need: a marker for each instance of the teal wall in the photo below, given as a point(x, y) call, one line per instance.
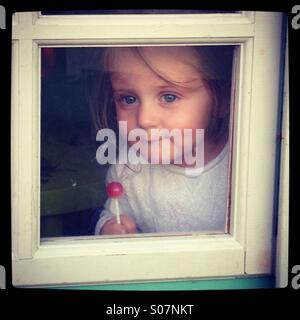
point(210, 284)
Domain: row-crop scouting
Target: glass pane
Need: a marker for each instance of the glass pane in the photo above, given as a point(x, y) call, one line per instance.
point(138, 11)
point(71, 179)
point(153, 121)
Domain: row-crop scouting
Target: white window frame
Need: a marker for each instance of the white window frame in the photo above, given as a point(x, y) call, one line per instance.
point(246, 249)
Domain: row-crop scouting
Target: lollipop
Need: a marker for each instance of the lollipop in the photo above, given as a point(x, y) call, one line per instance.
point(115, 190)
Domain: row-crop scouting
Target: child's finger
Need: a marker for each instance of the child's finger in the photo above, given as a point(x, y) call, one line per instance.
point(112, 227)
point(128, 223)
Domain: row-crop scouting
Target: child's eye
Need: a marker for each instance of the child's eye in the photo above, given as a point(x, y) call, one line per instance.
point(128, 99)
point(169, 97)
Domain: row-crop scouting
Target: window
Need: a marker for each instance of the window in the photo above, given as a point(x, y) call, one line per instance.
point(72, 175)
point(247, 247)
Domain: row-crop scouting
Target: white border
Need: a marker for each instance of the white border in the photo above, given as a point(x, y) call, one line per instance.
point(248, 248)
point(244, 17)
point(113, 27)
point(283, 212)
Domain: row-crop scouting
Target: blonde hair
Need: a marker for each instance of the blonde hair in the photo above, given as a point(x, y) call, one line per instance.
point(213, 63)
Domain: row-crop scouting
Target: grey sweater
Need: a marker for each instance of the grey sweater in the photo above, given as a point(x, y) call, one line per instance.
point(163, 198)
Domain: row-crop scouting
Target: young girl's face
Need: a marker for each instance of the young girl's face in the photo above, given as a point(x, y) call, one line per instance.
point(162, 89)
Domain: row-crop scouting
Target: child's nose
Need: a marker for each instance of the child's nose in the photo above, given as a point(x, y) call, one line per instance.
point(148, 115)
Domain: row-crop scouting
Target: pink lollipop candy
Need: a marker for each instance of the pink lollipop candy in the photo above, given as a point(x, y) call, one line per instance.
point(115, 190)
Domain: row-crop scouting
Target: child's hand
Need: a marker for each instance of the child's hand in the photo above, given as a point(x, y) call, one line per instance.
point(127, 225)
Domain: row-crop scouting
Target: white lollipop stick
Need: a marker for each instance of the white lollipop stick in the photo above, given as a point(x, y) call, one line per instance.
point(117, 212)
point(115, 190)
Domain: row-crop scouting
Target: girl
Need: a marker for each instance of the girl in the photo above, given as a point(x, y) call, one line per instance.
point(180, 88)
